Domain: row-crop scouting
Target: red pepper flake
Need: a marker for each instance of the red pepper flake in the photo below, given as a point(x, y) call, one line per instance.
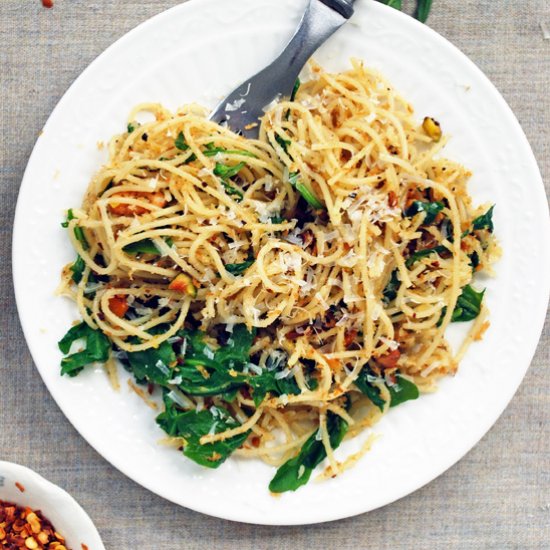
point(19, 486)
point(21, 527)
point(47, 3)
point(389, 361)
point(349, 337)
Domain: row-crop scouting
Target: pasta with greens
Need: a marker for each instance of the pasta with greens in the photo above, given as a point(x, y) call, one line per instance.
point(283, 293)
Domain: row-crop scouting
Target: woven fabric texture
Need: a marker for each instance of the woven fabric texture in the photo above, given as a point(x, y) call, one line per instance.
point(497, 497)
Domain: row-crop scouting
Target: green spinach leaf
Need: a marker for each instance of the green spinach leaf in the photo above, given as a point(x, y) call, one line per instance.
point(208, 372)
point(153, 364)
point(284, 143)
point(294, 93)
point(296, 472)
point(96, 349)
point(432, 209)
point(180, 142)
point(419, 254)
point(239, 269)
point(226, 172)
point(192, 425)
point(146, 246)
point(266, 382)
point(211, 151)
point(367, 388)
point(403, 390)
point(232, 191)
point(305, 191)
point(392, 288)
point(485, 221)
point(78, 231)
point(468, 305)
point(77, 268)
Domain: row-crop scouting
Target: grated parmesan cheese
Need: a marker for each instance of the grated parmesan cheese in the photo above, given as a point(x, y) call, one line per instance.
point(235, 105)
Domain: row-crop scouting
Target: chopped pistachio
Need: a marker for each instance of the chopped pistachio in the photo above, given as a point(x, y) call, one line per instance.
point(183, 283)
point(432, 128)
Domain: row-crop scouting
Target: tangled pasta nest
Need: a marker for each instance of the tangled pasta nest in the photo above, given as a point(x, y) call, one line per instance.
point(286, 290)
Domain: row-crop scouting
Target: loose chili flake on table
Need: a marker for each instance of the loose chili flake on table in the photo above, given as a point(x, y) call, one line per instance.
point(47, 3)
point(22, 527)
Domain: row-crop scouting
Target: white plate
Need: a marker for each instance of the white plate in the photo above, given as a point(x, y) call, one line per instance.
point(66, 515)
point(199, 51)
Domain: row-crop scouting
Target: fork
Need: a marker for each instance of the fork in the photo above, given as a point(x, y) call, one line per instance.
point(244, 106)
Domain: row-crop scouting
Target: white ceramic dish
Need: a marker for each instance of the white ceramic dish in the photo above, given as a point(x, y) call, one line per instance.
point(66, 515)
point(199, 51)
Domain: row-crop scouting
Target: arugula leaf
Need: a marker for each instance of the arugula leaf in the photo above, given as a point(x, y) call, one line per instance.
point(468, 305)
point(215, 382)
point(305, 191)
point(78, 231)
point(423, 8)
point(211, 151)
point(284, 143)
point(208, 372)
point(484, 221)
point(232, 191)
point(146, 246)
point(236, 353)
point(77, 268)
point(297, 85)
point(266, 382)
point(231, 395)
point(392, 288)
point(227, 172)
point(275, 220)
point(192, 425)
point(75, 333)
point(153, 364)
point(432, 209)
point(419, 254)
point(296, 472)
point(180, 142)
point(403, 390)
point(239, 269)
point(79, 234)
point(97, 348)
point(367, 388)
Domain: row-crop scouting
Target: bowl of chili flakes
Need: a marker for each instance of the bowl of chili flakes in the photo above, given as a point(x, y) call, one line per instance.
point(36, 514)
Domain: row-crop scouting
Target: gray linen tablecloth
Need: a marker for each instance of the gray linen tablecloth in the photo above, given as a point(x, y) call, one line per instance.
point(498, 496)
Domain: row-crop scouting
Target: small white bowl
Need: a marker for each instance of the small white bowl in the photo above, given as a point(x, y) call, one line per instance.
point(65, 514)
